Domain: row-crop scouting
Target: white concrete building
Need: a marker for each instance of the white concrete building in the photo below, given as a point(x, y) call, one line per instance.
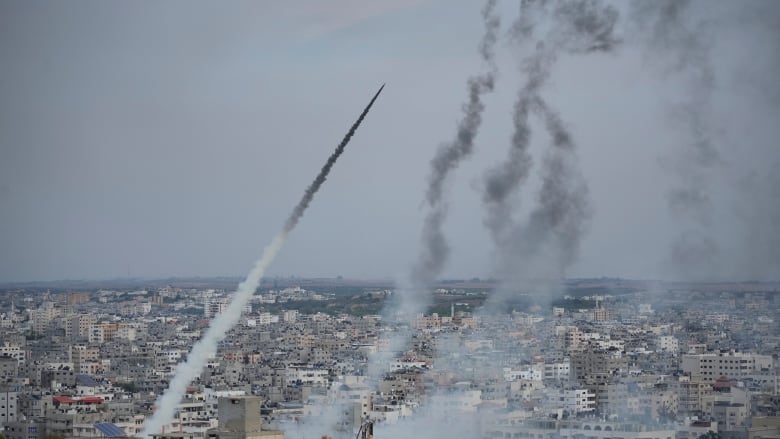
point(13, 350)
point(266, 318)
point(711, 366)
point(578, 401)
point(316, 377)
point(531, 373)
point(9, 406)
point(668, 343)
point(214, 305)
point(557, 371)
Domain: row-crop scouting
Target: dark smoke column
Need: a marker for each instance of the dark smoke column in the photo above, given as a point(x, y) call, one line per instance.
point(435, 250)
point(557, 222)
point(196, 360)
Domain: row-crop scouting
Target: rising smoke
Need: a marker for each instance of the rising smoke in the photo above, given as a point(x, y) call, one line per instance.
point(222, 323)
point(557, 222)
point(553, 231)
point(682, 46)
point(759, 211)
point(435, 250)
point(562, 210)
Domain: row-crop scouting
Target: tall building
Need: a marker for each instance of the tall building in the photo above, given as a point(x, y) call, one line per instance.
point(8, 405)
point(214, 306)
point(239, 418)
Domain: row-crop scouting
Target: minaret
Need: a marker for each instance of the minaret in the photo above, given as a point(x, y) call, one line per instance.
point(452, 310)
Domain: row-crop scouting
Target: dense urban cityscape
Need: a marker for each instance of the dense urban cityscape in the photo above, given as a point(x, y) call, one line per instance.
point(608, 358)
point(583, 245)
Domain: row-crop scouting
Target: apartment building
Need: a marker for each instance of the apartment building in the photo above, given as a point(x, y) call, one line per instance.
point(709, 367)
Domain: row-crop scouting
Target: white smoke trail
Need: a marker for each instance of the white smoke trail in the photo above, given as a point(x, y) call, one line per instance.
point(190, 369)
point(196, 360)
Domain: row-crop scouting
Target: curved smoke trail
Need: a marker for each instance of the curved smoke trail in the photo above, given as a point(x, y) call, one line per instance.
point(222, 323)
point(562, 210)
point(435, 250)
point(573, 27)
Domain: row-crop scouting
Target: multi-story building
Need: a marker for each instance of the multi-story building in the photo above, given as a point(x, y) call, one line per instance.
point(213, 306)
point(80, 325)
point(103, 332)
point(727, 404)
point(13, 350)
point(299, 376)
point(711, 366)
point(595, 364)
point(42, 317)
point(290, 316)
point(239, 418)
point(573, 401)
point(25, 429)
point(691, 395)
point(9, 405)
point(9, 369)
point(557, 371)
point(668, 343)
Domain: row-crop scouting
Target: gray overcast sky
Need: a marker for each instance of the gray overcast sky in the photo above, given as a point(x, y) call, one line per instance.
point(156, 139)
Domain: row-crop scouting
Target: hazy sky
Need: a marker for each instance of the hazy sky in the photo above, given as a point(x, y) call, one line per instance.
point(156, 139)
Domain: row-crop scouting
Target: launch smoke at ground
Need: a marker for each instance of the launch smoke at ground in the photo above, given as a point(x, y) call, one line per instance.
point(434, 249)
point(222, 323)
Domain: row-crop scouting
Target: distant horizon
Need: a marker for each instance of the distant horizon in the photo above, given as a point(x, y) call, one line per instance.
point(389, 280)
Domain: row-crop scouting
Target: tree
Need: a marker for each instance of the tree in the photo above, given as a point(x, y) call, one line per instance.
point(128, 387)
point(710, 435)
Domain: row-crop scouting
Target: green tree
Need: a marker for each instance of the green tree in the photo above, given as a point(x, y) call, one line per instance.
point(710, 435)
point(128, 387)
